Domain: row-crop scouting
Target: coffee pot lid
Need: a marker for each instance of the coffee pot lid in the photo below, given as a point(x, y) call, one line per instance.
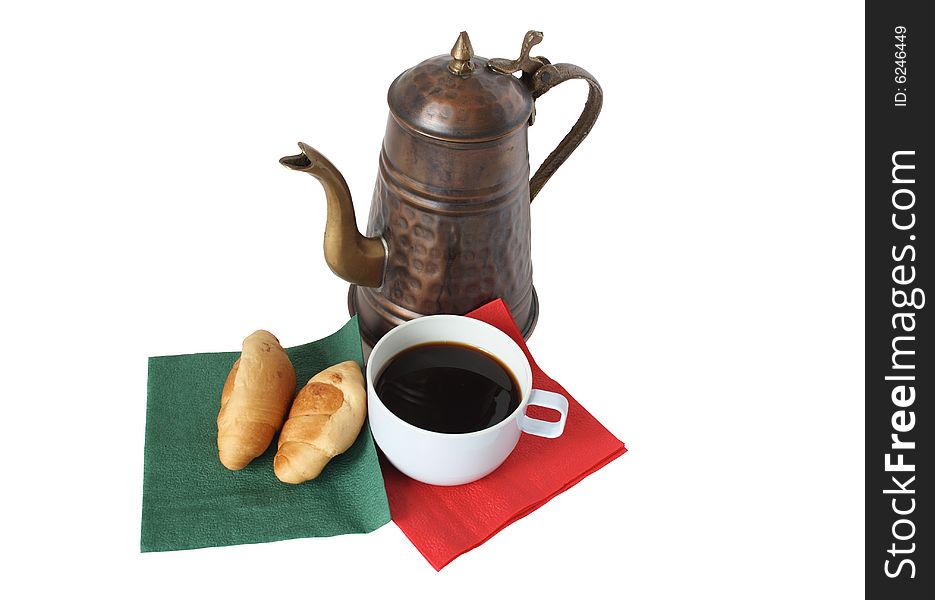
point(458, 97)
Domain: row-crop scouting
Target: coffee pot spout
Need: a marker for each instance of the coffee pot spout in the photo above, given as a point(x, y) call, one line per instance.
point(350, 255)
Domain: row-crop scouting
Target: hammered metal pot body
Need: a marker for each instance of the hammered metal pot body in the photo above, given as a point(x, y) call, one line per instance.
point(456, 222)
point(449, 226)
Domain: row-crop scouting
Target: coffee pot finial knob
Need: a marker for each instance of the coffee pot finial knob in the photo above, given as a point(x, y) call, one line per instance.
point(461, 54)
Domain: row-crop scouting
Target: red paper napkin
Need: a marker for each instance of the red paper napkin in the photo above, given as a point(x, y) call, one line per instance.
point(445, 522)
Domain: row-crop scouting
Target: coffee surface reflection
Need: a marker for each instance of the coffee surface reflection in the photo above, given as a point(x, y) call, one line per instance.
point(448, 388)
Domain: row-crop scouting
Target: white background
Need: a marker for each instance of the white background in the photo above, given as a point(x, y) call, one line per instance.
point(699, 262)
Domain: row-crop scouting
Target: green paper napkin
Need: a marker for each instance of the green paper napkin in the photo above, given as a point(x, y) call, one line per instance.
point(191, 501)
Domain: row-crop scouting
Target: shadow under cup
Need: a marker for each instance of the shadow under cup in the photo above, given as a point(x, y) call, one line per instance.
point(455, 458)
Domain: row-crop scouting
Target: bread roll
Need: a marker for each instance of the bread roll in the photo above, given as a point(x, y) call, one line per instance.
point(324, 421)
point(254, 400)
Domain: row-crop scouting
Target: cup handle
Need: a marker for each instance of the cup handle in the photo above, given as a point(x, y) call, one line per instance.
point(546, 429)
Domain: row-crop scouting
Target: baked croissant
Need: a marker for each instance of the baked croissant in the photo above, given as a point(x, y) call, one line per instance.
point(324, 421)
point(254, 400)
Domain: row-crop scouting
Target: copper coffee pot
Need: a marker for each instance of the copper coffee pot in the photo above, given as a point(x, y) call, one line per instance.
point(449, 225)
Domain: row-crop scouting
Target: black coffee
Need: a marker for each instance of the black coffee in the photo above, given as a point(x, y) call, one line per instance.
point(448, 388)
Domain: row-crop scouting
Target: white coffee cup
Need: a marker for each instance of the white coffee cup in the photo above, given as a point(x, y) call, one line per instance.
point(456, 458)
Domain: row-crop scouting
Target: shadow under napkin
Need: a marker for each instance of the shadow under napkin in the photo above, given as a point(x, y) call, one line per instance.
point(191, 501)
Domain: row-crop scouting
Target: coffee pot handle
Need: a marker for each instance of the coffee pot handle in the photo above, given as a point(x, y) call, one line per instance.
point(540, 76)
point(543, 80)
